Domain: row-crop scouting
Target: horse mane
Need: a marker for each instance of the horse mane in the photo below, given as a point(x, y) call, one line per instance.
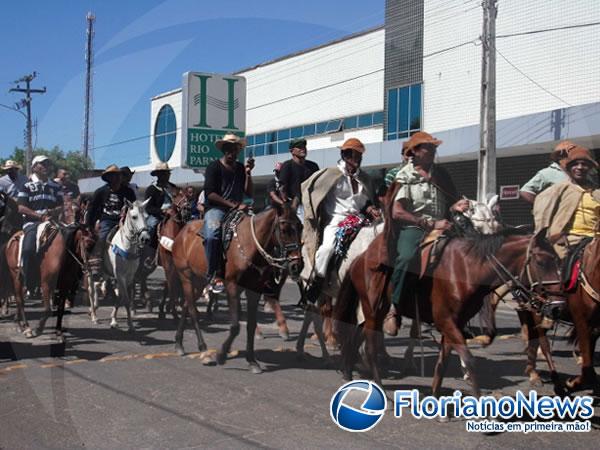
point(482, 245)
point(390, 228)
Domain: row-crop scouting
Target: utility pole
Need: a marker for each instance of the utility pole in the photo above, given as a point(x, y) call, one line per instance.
point(486, 180)
point(27, 79)
point(88, 83)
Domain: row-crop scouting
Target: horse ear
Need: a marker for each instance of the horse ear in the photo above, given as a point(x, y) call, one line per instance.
point(145, 202)
point(128, 204)
point(493, 202)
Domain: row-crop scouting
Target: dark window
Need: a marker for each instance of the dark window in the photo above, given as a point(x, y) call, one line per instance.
point(350, 122)
point(165, 133)
point(283, 147)
point(321, 127)
point(404, 111)
point(271, 148)
point(366, 120)
point(260, 138)
point(309, 130)
point(250, 140)
point(296, 132)
point(378, 118)
point(334, 126)
point(283, 134)
point(259, 150)
point(415, 107)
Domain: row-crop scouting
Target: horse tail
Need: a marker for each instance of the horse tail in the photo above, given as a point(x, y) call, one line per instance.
point(487, 318)
point(345, 327)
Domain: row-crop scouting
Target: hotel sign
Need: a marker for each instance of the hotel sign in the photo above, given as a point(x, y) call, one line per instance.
point(213, 105)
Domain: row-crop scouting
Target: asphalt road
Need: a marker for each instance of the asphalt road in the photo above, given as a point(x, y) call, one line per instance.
point(107, 388)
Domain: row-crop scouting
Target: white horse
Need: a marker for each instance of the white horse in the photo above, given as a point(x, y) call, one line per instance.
point(123, 256)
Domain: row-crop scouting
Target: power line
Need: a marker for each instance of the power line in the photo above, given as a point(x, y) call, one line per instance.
point(530, 79)
point(545, 30)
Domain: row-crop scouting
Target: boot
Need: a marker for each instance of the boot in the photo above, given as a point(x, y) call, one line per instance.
point(314, 291)
point(390, 323)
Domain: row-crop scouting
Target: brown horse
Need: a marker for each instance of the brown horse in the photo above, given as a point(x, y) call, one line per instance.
point(449, 295)
point(584, 309)
point(55, 259)
point(175, 219)
point(249, 257)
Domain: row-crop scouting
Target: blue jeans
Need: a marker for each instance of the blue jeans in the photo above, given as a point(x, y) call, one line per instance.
point(211, 232)
point(105, 227)
point(152, 224)
point(31, 266)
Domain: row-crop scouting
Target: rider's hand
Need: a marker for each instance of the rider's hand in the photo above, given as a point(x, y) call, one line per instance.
point(441, 225)
point(460, 206)
point(249, 165)
point(242, 207)
point(373, 212)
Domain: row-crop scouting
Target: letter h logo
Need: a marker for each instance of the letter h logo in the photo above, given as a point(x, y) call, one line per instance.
point(203, 99)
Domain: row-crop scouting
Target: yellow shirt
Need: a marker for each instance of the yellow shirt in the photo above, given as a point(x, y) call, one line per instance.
point(586, 217)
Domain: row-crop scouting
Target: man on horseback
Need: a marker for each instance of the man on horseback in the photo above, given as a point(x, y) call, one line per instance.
point(294, 172)
point(70, 189)
point(161, 194)
point(330, 196)
point(13, 181)
point(225, 182)
point(423, 203)
point(39, 199)
point(106, 207)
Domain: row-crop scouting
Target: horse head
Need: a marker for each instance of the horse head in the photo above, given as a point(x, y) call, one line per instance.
point(288, 238)
point(135, 222)
point(543, 275)
point(181, 209)
point(483, 217)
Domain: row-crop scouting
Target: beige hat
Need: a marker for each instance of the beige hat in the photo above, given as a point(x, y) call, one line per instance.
point(160, 167)
point(113, 168)
point(39, 159)
point(230, 138)
point(10, 164)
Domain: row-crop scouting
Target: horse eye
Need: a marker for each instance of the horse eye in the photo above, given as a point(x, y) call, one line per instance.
point(134, 216)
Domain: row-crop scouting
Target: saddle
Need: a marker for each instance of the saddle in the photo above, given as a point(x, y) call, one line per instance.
point(229, 227)
point(572, 265)
point(431, 249)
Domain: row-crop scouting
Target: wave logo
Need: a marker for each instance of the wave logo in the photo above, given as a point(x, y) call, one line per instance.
point(358, 406)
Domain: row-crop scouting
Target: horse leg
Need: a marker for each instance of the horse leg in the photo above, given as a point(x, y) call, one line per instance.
point(188, 295)
point(127, 301)
point(532, 335)
point(60, 312)
point(440, 366)
point(370, 331)
point(92, 294)
point(193, 312)
point(47, 293)
point(409, 365)
point(587, 378)
point(547, 352)
point(306, 321)
point(284, 332)
point(233, 300)
point(116, 303)
point(20, 318)
point(456, 339)
point(252, 299)
point(318, 326)
point(163, 301)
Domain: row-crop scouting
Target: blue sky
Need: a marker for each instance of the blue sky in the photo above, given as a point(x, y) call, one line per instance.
point(142, 47)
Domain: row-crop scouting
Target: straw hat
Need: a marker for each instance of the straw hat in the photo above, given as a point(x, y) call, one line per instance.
point(10, 164)
point(160, 167)
point(230, 138)
point(353, 144)
point(113, 168)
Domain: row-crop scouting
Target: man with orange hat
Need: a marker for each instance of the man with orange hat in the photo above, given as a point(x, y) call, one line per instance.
point(423, 203)
point(548, 176)
point(329, 196)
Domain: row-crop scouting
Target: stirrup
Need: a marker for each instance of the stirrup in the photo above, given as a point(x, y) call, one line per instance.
point(216, 285)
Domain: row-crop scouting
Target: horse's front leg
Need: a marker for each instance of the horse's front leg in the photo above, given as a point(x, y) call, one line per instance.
point(580, 314)
point(20, 317)
point(233, 299)
point(371, 349)
point(252, 304)
point(47, 288)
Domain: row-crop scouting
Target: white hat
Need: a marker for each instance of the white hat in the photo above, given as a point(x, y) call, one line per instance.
point(39, 159)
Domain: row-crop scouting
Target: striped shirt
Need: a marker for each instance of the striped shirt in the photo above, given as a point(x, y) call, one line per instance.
point(40, 195)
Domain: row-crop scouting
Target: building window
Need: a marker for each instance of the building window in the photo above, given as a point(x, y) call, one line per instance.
point(165, 133)
point(404, 111)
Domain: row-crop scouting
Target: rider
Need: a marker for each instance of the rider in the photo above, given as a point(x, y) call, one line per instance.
point(294, 172)
point(106, 206)
point(330, 195)
point(225, 182)
point(570, 210)
point(161, 194)
point(422, 203)
point(390, 175)
point(39, 199)
point(126, 180)
point(13, 181)
point(548, 176)
point(70, 189)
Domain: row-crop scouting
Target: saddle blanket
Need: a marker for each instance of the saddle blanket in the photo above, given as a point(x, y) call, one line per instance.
point(39, 234)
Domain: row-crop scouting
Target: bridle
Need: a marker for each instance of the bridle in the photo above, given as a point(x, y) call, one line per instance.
point(531, 294)
point(133, 234)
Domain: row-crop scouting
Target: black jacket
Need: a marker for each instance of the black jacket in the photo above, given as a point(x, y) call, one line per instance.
point(106, 204)
point(157, 196)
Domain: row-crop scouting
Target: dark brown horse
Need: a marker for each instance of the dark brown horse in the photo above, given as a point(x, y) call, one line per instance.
point(249, 257)
point(584, 309)
point(448, 296)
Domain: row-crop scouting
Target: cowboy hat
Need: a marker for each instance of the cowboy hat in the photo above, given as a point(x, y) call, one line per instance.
point(420, 138)
point(112, 169)
point(353, 144)
point(125, 170)
point(10, 164)
point(578, 153)
point(296, 142)
point(39, 159)
point(160, 167)
point(230, 138)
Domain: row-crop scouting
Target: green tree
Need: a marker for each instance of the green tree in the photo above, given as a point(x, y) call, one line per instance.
point(74, 162)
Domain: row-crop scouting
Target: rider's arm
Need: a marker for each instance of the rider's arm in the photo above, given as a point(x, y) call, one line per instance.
point(527, 196)
point(248, 186)
point(30, 213)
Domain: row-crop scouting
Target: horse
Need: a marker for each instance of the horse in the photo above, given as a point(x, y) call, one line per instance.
point(121, 257)
point(449, 294)
point(10, 222)
point(584, 311)
point(175, 219)
point(248, 259)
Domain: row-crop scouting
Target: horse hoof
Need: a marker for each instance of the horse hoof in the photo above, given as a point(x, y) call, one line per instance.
point(208, 360)
point(179, 350)
point(347, 375)
point(114, 325)
point(258, 335)
point(28, 333)
point(255, 368)
point(535, 380)
point(95, 321)
point(221, 358)
point(202, 347)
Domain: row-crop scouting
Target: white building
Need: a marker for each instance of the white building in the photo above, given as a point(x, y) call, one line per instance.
point(420, 71)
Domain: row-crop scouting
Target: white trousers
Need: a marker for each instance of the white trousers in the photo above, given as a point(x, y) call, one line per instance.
point(325, 251)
